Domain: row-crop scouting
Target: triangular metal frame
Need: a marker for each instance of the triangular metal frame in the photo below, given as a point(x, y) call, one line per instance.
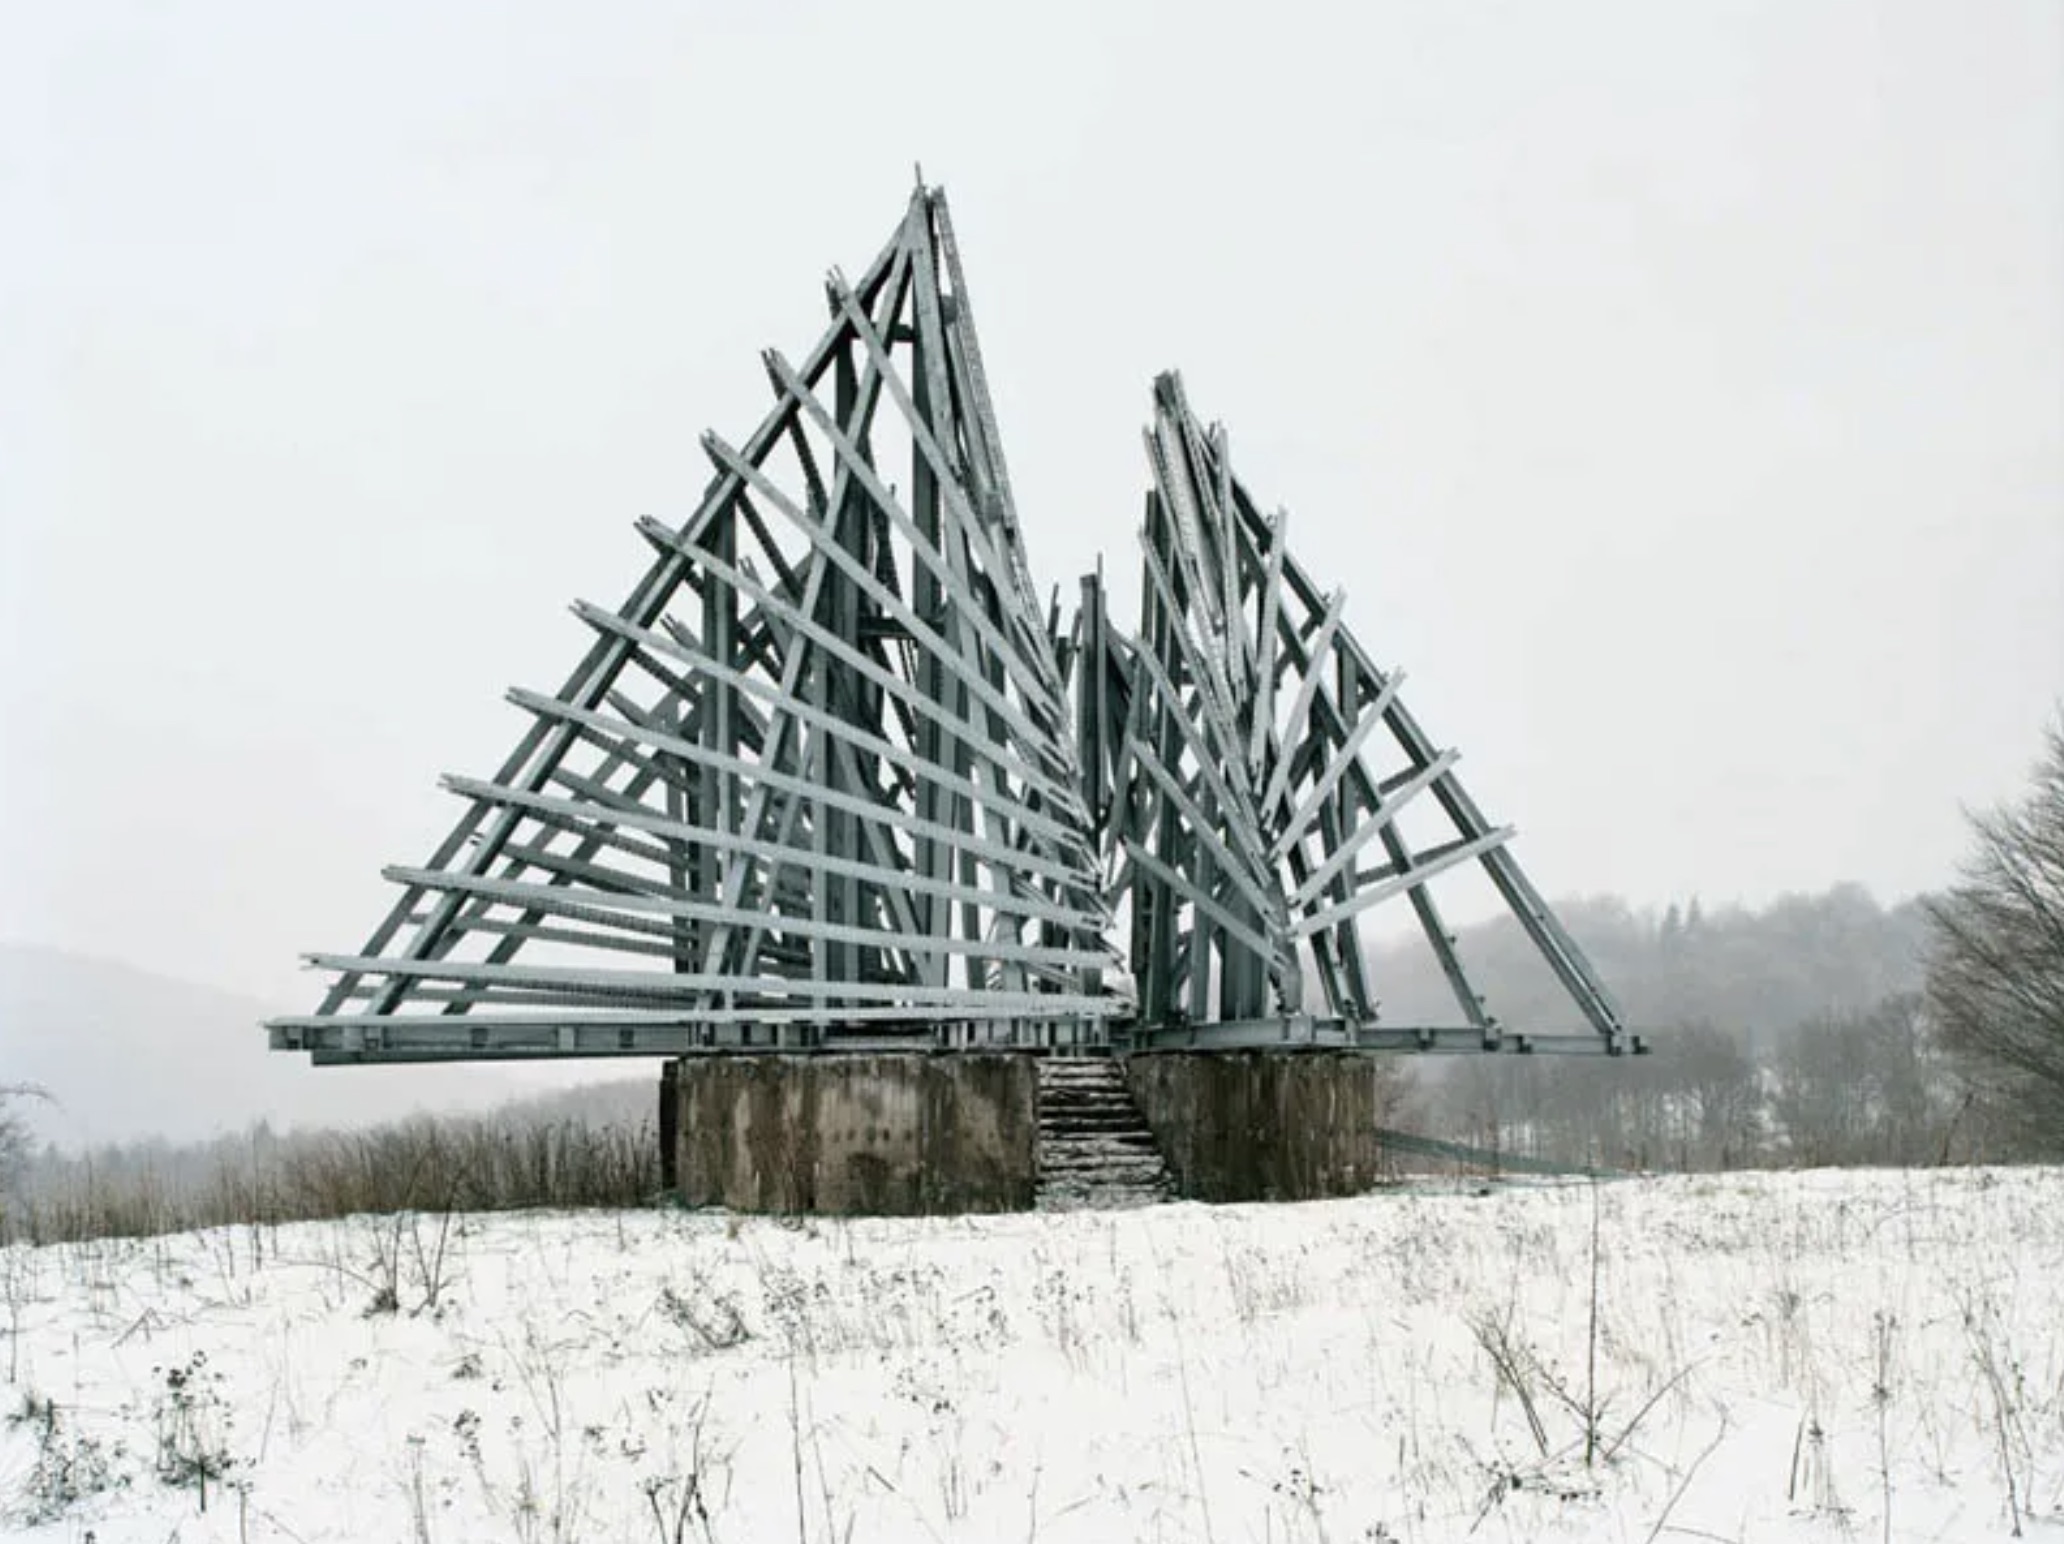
point(1246, 765)
point(812, 783)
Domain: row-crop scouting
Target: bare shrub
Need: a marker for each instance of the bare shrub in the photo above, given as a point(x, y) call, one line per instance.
point(69, 1467)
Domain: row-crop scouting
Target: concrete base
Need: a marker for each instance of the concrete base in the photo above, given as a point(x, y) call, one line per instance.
point(887, 1135)
point(1263, 1125)
point(911, 1133)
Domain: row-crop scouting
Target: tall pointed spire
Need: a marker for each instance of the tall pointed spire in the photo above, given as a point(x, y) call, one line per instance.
point(1257, 763)
point(813, 777)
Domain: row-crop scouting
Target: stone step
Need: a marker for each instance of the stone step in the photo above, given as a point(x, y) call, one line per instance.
point(1119, 1097)
point(1090, 1093)
point(1104, 1195)
point(1100, 1189)
point(1067, 1077)
point(1101, 1119)
point(1122, 1143)
point(1106, 1184)
point(1107, 1175)
point(1126, 1202)
point(1127, 1142)
point(1061, 1122)
point(1093, 1163)
point(1090, 1113)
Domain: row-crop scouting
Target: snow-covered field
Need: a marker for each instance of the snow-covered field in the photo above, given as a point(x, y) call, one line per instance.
point(1819, 1356)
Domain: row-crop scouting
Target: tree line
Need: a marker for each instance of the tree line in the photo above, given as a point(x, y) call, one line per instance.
point(1822, 1029)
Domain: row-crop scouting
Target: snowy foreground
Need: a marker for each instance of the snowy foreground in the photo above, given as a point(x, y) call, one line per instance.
point(1818, 1356)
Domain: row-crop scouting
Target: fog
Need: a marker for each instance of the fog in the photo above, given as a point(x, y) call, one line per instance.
point(1677, 391)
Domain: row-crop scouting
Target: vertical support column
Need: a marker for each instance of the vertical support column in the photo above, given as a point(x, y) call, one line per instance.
point(1347, 935)
point(1204, 933)
point(853, 529)
point(716, 793)
point(833, 897)
point(1092, 681)
point(684, 859)
point(1167, 838)
point(997, 827)
point(933, 858)
point(669, 1126)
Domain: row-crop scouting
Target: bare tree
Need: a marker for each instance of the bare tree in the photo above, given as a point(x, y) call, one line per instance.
point(14, 1129)
point(1996, 975)
point(1716, 1079)
point(1860, 1088)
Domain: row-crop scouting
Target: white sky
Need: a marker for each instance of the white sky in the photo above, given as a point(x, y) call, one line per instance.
point(1678, 391)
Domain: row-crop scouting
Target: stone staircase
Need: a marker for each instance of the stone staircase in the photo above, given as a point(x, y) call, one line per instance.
point(1095, 1148)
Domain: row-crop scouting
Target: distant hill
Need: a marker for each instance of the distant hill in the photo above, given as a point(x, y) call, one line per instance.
point(128, 1055)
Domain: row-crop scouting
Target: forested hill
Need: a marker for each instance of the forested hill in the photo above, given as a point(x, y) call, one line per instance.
point(1755, 973)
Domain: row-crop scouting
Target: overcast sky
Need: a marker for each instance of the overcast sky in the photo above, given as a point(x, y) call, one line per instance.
point(1677, 390)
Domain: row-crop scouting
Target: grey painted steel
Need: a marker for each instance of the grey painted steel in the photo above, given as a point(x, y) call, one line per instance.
point(831, 778)
point(1249, 780)
point(816, 774)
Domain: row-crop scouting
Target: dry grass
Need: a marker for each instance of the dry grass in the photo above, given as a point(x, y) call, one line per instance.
point(429, 1164)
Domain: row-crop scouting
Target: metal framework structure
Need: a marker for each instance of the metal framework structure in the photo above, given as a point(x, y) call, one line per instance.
point(1247, 766)
point(831, 777)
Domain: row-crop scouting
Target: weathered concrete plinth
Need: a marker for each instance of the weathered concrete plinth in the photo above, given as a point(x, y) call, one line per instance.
point(958, 1131)
point(1263, 1125)
point(887, 1135)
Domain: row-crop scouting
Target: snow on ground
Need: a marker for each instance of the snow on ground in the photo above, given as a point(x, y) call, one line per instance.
point(1861, 1356)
